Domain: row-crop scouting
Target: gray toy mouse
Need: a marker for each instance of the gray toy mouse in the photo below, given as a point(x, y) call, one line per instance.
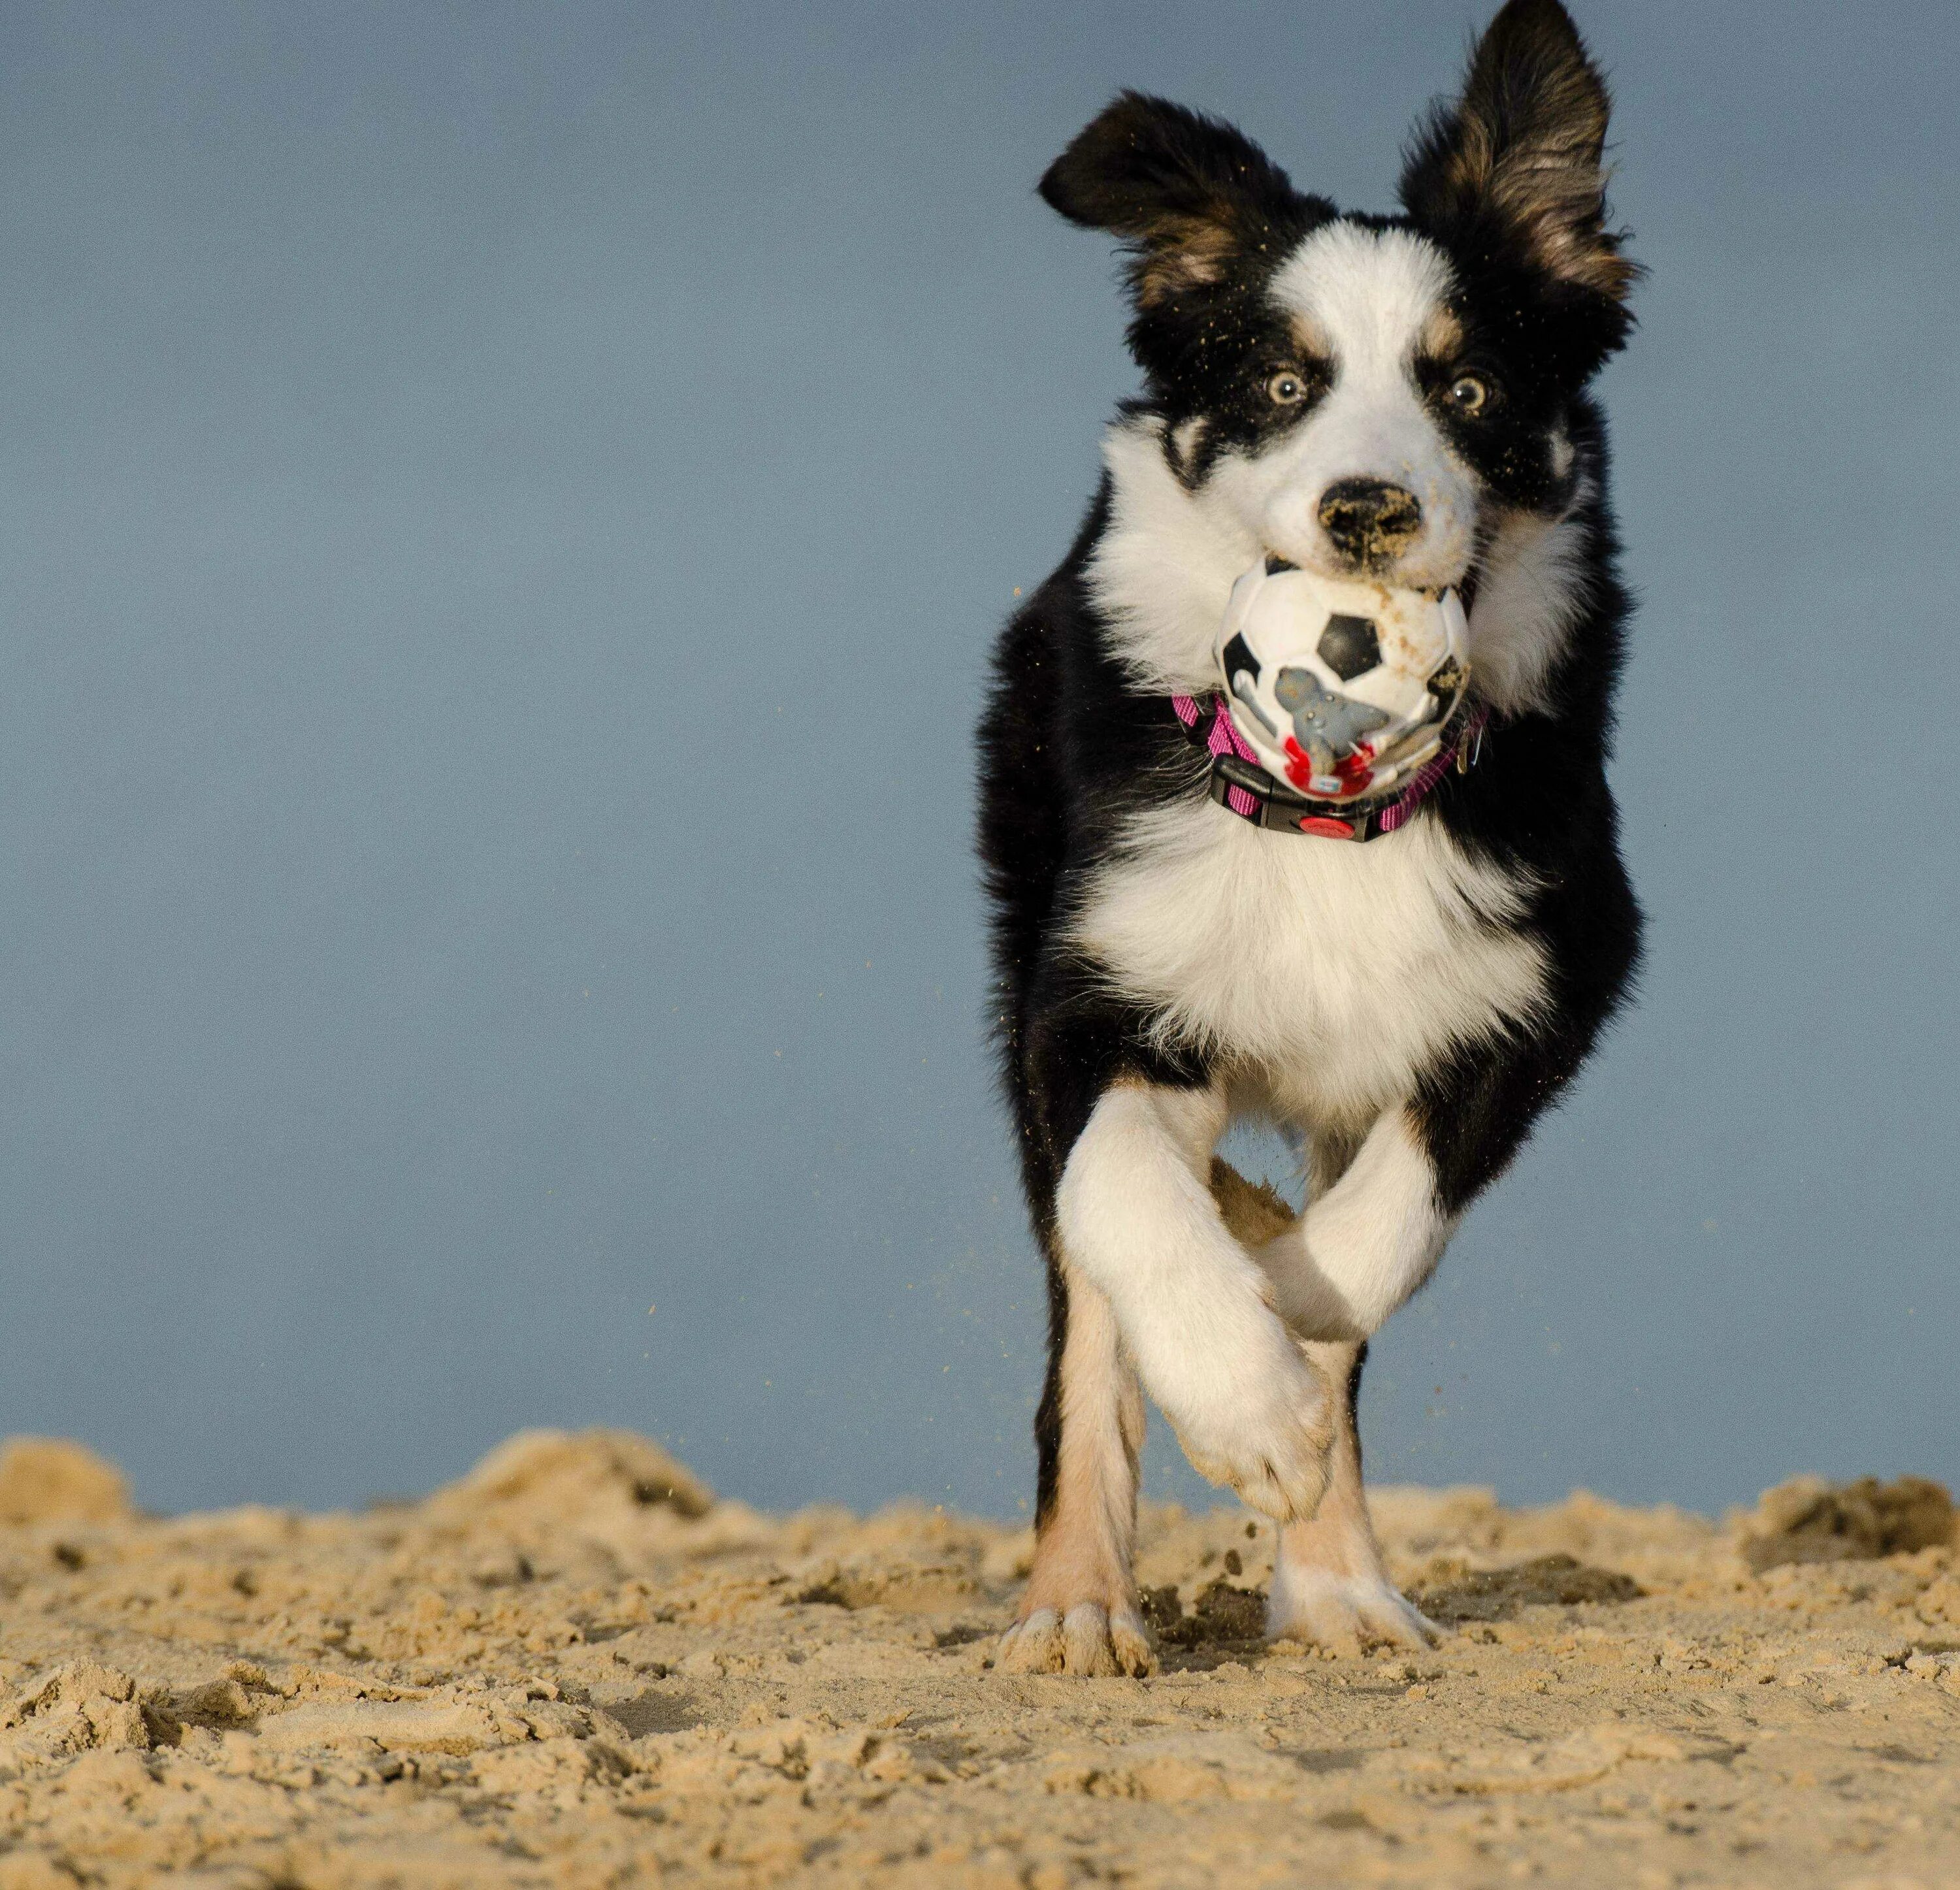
point(1327, 726)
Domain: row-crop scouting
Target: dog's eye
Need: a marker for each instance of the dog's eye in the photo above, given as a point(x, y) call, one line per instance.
point(1468, 395)
point(1286, 389)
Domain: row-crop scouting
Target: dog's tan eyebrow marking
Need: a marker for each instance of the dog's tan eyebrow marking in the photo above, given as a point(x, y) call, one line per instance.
point(1312, 340)
point(1440, 336)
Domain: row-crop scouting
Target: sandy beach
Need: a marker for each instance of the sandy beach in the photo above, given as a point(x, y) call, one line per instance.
point(578, 1667)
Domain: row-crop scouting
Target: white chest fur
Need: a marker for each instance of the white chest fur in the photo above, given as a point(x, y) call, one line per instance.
point(1326, 973)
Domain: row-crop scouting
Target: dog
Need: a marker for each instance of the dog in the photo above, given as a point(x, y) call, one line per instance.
point(1403, 398)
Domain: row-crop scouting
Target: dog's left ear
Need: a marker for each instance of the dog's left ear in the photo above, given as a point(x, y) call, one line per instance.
point(1523, 148)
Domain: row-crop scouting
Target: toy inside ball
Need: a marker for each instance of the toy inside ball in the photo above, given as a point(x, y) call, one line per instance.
point(1342, 688)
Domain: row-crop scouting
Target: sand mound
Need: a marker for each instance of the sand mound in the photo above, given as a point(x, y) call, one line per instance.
point(561, 1476)
point(49, 1480)
point(574, 1667)
point(1810, 1520)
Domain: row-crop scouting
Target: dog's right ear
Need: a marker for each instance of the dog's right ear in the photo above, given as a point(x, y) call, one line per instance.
point(1185, 193)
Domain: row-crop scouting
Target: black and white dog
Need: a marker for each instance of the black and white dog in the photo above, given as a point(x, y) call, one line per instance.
point(1403, 397)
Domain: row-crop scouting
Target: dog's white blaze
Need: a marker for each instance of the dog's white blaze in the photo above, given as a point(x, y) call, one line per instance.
point(1368, 294)
point(1370, 291)
point(1326, 975)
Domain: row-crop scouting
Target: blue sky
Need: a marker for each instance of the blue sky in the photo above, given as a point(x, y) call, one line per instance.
point(504, 513)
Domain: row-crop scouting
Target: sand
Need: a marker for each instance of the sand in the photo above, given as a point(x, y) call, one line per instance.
point(577, 1667)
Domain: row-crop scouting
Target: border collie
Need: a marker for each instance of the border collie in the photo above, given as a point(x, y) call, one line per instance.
point(1403, 397)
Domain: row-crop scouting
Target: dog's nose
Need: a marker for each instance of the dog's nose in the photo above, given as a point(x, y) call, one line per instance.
point(1370, 520)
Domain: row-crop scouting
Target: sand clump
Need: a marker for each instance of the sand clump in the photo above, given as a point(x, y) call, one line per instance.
point(1810, 1520)
point(50, 1480)
point(578, 1667)
point(550, 1476)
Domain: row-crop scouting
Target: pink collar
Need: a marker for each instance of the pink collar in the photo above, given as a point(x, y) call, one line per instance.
point(1240, 785)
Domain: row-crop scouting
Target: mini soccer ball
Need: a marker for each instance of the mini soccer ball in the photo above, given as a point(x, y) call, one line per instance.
point(1342, 689)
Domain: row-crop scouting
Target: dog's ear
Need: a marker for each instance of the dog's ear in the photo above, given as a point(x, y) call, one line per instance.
point(1524, 146)
point(1185, 193)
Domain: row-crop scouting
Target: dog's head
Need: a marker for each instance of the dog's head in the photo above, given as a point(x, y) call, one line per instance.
point(1366, 394)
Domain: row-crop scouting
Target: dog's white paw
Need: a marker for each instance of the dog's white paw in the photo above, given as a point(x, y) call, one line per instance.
point(1262, 1423)
point(1345, 1613)
point(1088, 1640)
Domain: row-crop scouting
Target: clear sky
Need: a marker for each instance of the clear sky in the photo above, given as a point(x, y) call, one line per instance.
point(502, 512)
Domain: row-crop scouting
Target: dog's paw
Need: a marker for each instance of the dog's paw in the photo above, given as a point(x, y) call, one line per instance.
point(1344, 1613)
point(1264, 1429)
point(1088, 1640)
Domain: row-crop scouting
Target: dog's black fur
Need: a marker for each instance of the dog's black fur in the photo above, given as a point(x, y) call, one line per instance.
point(1072, 747)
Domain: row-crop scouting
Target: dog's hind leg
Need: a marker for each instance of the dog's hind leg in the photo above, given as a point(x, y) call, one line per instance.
point(1145, 1282)
point(1080, 1613)
point(1330, 1584)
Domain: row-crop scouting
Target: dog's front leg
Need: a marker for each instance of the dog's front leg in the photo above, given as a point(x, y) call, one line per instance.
point(1361, 1248)
point(1135, 1216)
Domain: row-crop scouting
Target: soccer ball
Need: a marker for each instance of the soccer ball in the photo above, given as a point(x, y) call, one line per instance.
point(1342, 689)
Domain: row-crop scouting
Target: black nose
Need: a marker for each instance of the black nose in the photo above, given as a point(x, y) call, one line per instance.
point(1370, 520)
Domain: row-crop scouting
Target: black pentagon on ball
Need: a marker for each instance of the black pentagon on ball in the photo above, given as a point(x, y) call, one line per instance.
point(1238, 656)
point(1349, 646)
